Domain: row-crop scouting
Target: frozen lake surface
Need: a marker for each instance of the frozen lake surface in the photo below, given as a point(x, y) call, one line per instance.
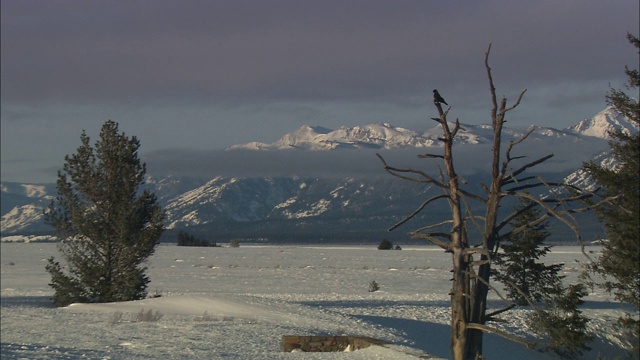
point(236, 303)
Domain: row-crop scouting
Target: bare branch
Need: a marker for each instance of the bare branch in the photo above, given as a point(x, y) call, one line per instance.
point(474, 219)
point(582, 194)
point(484, 187)
point(529, 225)
point(486, 282)
point(512, 144)
point(570, 224)
point(418, 210)
point(515, 180)
point(531, 164)
point(526, 186)
point(492, 88)
point(517, 101)
point(397, 173)
point(504, 334)
point(432, 226)
point(430, 235)
point(507, 220)
point(473, 250)
point(426, 177)
point(479, 262)
point(517, 157)
point(498, 312)
point(456, 128)
point(446, 246)
point(430, 156)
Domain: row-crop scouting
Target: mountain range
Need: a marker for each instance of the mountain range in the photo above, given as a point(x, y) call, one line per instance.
point(387, 136)
point(316, 208)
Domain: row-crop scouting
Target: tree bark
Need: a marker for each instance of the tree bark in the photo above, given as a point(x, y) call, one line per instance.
point(460, 290)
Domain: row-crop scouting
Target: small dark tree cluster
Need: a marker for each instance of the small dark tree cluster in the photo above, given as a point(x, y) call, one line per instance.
point(388, 245)
point(385, 245)
point(185, 239)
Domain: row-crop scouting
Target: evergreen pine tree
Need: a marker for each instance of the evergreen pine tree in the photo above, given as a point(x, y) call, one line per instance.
point(517, 267)
point(108, 227)
point(620, 259)
point(561, 322)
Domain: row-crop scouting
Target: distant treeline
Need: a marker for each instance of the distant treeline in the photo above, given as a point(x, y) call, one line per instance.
point(184, 239)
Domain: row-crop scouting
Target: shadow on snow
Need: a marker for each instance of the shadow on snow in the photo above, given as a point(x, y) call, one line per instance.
point(31, 351)
point(27, 301)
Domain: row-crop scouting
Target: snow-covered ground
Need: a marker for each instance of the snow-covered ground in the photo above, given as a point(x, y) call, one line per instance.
point(236, 303)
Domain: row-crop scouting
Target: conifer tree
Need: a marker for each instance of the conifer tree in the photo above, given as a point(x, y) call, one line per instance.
point(525, 278)
point(107, 225)
point(562, 323)
point(620, 259)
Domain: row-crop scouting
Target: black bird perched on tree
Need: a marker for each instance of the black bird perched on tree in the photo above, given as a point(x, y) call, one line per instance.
point(437, 98)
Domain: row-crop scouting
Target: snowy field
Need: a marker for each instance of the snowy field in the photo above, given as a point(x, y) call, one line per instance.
point(236, 303)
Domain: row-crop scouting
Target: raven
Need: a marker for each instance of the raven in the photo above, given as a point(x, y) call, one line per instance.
point(437, 98)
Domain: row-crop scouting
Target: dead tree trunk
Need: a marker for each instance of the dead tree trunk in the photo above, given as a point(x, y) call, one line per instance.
point(490, 234)
point(460, 306)
point(470, 288)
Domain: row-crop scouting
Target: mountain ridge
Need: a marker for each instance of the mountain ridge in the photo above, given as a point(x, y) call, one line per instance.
point(386, 136)
point(233, 206)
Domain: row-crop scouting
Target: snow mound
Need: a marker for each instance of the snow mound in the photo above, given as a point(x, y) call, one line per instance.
point(191, 305)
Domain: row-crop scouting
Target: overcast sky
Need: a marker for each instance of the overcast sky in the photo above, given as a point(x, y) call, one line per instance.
point(203, 75)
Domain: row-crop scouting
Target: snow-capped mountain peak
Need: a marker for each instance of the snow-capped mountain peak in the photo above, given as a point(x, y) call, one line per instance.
point(603, 123)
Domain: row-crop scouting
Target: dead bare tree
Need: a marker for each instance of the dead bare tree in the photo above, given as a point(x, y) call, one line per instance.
point(471, 261)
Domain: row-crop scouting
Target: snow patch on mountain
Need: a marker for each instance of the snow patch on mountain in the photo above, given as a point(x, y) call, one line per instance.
point(235, 199)
point(28, 190)
point(20, 217)
point(287, 203)
point(582, 179)
point(23, 206)
point(315, 209)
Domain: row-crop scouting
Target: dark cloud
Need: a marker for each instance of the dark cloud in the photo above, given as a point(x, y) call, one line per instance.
point(241, 163)
point(210, 74)
point(250, 50)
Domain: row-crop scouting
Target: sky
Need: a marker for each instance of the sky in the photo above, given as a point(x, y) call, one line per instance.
point(190, 78)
